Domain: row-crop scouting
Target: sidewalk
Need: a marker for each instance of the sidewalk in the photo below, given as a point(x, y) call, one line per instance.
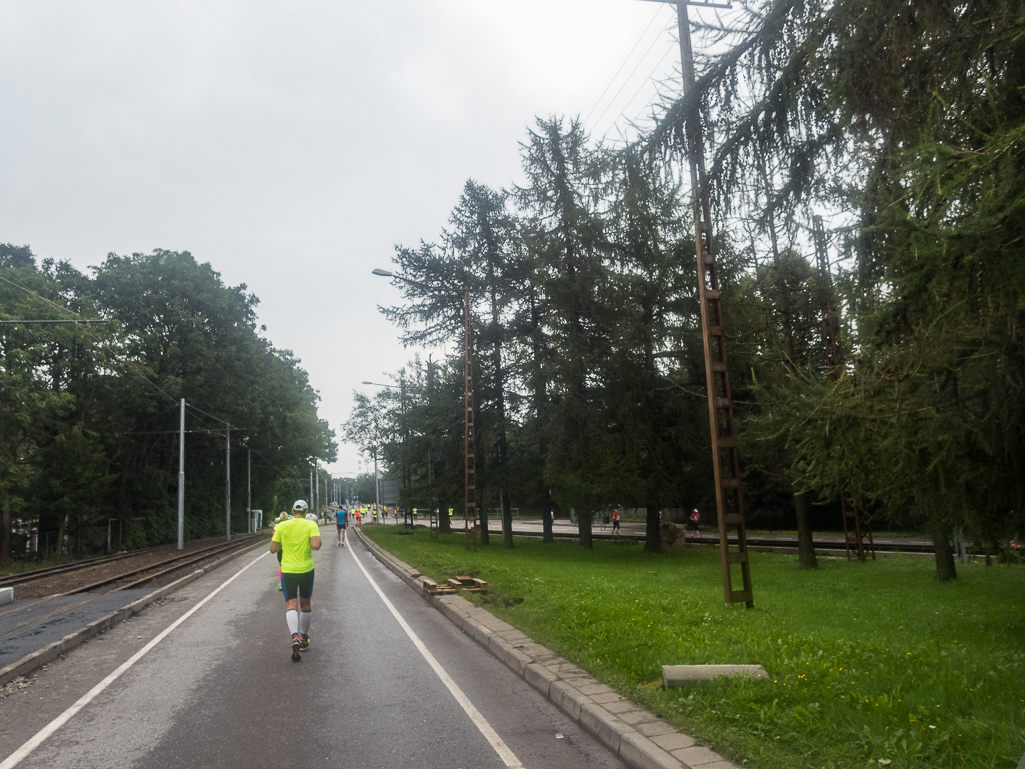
point(637, 736)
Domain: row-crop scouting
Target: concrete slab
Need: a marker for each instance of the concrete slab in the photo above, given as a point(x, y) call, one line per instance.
point(6, 595)
point(697, 756)
point(678, 675)
point(643, 754)
point(673, 741)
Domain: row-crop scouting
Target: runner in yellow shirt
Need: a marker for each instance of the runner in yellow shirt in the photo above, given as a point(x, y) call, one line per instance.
point(296, 539)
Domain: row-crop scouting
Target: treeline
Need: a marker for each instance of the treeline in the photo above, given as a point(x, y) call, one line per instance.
point(895, 375)
point(89, 413)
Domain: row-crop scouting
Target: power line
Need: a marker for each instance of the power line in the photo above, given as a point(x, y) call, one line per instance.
point(641, 61)
point(639, 39)
point(640, 88)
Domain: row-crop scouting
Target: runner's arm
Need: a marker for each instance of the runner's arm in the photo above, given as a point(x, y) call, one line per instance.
point(315, 543)
point(275, 546)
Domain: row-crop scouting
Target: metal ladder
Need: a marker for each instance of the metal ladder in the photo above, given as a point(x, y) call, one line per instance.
point(729, 498)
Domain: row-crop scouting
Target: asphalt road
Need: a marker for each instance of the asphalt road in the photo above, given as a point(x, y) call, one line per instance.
point(220, 691)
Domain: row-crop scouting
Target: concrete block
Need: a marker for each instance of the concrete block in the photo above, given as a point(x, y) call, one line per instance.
point(6, 595)
point(697, 756)
point(516, 660)
point(640, 752)
point(636, 717)
point(596, 688)
point(539, 677)
point(657, 728)
point(603, 725)
point(607, 698)
point(534, 650)
point(516, 637)
point(477, 632)
point(565, 668)
point(617, 706)
point(567, 699)
point(673, 741)
point(678, 675)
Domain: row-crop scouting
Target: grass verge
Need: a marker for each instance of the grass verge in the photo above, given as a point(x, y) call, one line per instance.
point(872, 664)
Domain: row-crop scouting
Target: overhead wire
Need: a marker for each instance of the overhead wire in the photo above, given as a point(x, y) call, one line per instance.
point(639, 39)
point(634, 70)
point(637, 93)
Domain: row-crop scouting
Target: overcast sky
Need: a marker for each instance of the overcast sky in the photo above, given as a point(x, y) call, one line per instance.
point(292, 145)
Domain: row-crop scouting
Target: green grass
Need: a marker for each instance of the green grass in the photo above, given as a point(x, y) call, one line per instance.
point(871, 664)
point(24, 565)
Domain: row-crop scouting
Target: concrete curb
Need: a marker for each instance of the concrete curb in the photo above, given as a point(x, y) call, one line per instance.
point(640, 738)
point(49, 653)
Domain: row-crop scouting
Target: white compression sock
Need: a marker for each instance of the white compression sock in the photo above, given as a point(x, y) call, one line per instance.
point(304, 622)
point(292, 618)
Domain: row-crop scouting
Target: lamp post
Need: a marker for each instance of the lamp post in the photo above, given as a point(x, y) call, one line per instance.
point(470, 466)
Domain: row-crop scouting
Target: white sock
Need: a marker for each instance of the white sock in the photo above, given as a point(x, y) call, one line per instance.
point(292, 618)
point(304, 622)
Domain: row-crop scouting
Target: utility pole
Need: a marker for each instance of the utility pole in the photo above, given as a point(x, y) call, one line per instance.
point(377, 484)
point(181, 479)
point(470, 485)
point(249, 490)
point(227, 482)
point(729, 496)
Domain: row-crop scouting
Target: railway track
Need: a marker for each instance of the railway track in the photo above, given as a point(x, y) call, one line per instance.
point(90, 563)
point(123, 580)
point(779, 542)
point(86, 563)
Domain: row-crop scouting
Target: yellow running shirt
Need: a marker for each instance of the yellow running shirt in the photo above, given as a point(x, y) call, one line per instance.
point(294, 536)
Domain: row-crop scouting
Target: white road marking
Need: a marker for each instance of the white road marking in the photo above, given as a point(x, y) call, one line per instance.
point(25, 750)
point(496, 742)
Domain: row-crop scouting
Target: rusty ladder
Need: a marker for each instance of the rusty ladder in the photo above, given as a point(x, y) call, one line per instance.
point(470, 493)
point(729, 497)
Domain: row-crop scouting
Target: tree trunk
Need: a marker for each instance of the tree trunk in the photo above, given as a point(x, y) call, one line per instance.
point(546, 526)
point(7, 528)
point(652, 528)
point(62, 524)
point(507, 537)
point(805, 541)
point(482, 525)
point(584, 527)
point(946, 567)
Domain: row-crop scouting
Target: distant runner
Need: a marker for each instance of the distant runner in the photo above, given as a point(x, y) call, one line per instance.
point(341, 519)
point(695, 521)
point(615, 522)
point(295, 539)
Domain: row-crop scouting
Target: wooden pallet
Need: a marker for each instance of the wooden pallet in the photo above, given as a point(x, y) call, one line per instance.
point(456, 585)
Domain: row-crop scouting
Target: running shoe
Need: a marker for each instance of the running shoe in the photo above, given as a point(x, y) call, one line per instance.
point(296, 647)
point(304, 642)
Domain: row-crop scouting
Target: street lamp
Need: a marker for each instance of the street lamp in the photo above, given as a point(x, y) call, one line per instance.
point(470, 473)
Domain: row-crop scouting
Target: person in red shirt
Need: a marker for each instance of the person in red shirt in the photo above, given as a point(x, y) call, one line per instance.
point(695, 519)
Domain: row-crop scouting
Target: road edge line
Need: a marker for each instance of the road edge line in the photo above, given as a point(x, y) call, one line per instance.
point(567, 686)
